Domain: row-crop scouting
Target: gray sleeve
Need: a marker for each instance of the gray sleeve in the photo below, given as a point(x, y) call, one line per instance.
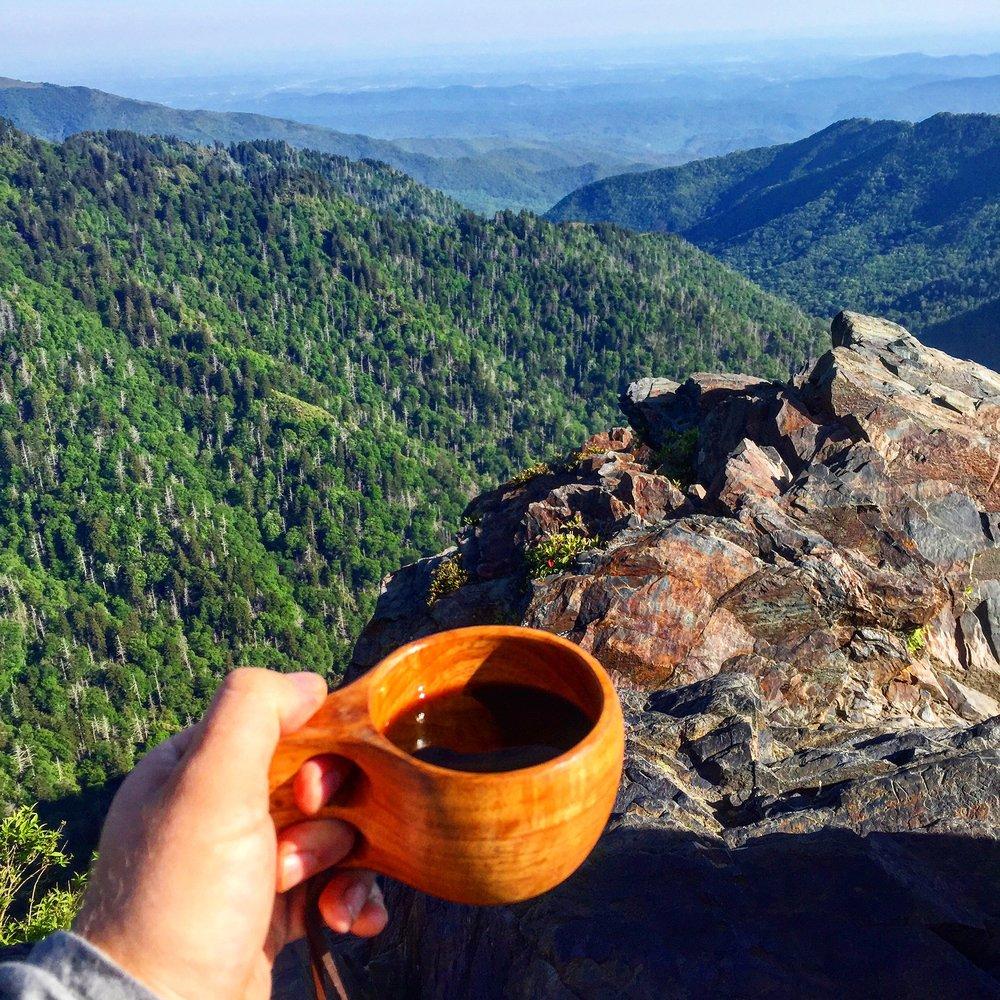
point(65, 967)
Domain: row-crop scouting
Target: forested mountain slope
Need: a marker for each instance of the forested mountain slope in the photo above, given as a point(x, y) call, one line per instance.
point(238, 386)
point(485, 177)
point(887, 217)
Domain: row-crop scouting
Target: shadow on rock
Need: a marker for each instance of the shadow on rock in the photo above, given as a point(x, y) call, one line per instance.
point(659, 913)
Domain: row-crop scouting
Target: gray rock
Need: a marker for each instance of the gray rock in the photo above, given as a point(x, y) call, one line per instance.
point(650, 388)
point(851, 329)
point(720, 697)
point(947, 530)
point(988, 613)
point(952, 398)
point(878, 847)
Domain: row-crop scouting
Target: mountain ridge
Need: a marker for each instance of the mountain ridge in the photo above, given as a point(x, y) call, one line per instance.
point(894, 217)
point(481, 180)
point(796, 588)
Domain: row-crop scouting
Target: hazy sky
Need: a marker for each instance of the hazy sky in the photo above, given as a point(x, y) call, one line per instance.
point(46, 36)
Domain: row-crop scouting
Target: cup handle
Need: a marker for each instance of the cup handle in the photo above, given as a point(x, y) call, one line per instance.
point(340, 726)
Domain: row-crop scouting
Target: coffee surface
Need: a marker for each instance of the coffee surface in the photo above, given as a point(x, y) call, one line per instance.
point(489, 727)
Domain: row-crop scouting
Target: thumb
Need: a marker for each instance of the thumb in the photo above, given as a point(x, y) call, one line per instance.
point(251, 711)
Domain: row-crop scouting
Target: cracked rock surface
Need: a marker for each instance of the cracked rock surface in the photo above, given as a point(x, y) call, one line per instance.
point(743, 860)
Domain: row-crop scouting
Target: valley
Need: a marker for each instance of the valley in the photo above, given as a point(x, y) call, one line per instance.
point(241, 385)
point(884, 216)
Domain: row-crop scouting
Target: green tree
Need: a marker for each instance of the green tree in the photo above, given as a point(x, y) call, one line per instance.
point(31, 905)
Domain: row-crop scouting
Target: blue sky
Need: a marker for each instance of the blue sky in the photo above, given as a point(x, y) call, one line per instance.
point(36, 35)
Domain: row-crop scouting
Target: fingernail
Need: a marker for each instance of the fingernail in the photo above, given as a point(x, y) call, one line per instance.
point(355, 899)
point(295, 866)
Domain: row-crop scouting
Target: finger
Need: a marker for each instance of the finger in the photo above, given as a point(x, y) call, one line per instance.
point(318, 780)
point(373, 916)
point(344, 897)
point(250, 712)
point(311, 847)
point(164, 757)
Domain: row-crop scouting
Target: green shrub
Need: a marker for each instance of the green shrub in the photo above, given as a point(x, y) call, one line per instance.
point(446, 578)
point(531, 472)
point(557, 550)
point(916, 641)
point(30, 905)
point(587, 451)
point(676, 457)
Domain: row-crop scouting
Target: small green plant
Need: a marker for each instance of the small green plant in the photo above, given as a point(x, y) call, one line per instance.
point(587, 451)
point(676, 456)
point(531, 472)
point(555, 551)
point(30, 905)
point(446, 578)
point(916, 641)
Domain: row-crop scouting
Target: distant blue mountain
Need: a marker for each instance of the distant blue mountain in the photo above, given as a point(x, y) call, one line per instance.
point(483, 177)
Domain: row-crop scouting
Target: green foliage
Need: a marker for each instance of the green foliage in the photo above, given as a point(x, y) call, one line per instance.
point(676, 457)
point(557, 550)
point(240, 386)
point(448, 576)
point(530, 472)
point(564, 464)
point(916, 641)
point(31, 905)
point(581, 454)
point(884, 217)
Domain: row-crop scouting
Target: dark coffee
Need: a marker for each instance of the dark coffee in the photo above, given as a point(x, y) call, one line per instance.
point(489, 727)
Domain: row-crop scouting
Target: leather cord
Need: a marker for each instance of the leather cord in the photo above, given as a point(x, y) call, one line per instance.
point(327, 982)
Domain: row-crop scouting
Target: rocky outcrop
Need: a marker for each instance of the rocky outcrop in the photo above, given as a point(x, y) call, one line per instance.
point(796, 587)
point(834, 537)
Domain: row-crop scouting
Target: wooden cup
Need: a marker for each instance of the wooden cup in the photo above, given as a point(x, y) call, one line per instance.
point(469, 837)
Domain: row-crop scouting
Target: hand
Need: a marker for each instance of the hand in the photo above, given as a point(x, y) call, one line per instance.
point(193, 894)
